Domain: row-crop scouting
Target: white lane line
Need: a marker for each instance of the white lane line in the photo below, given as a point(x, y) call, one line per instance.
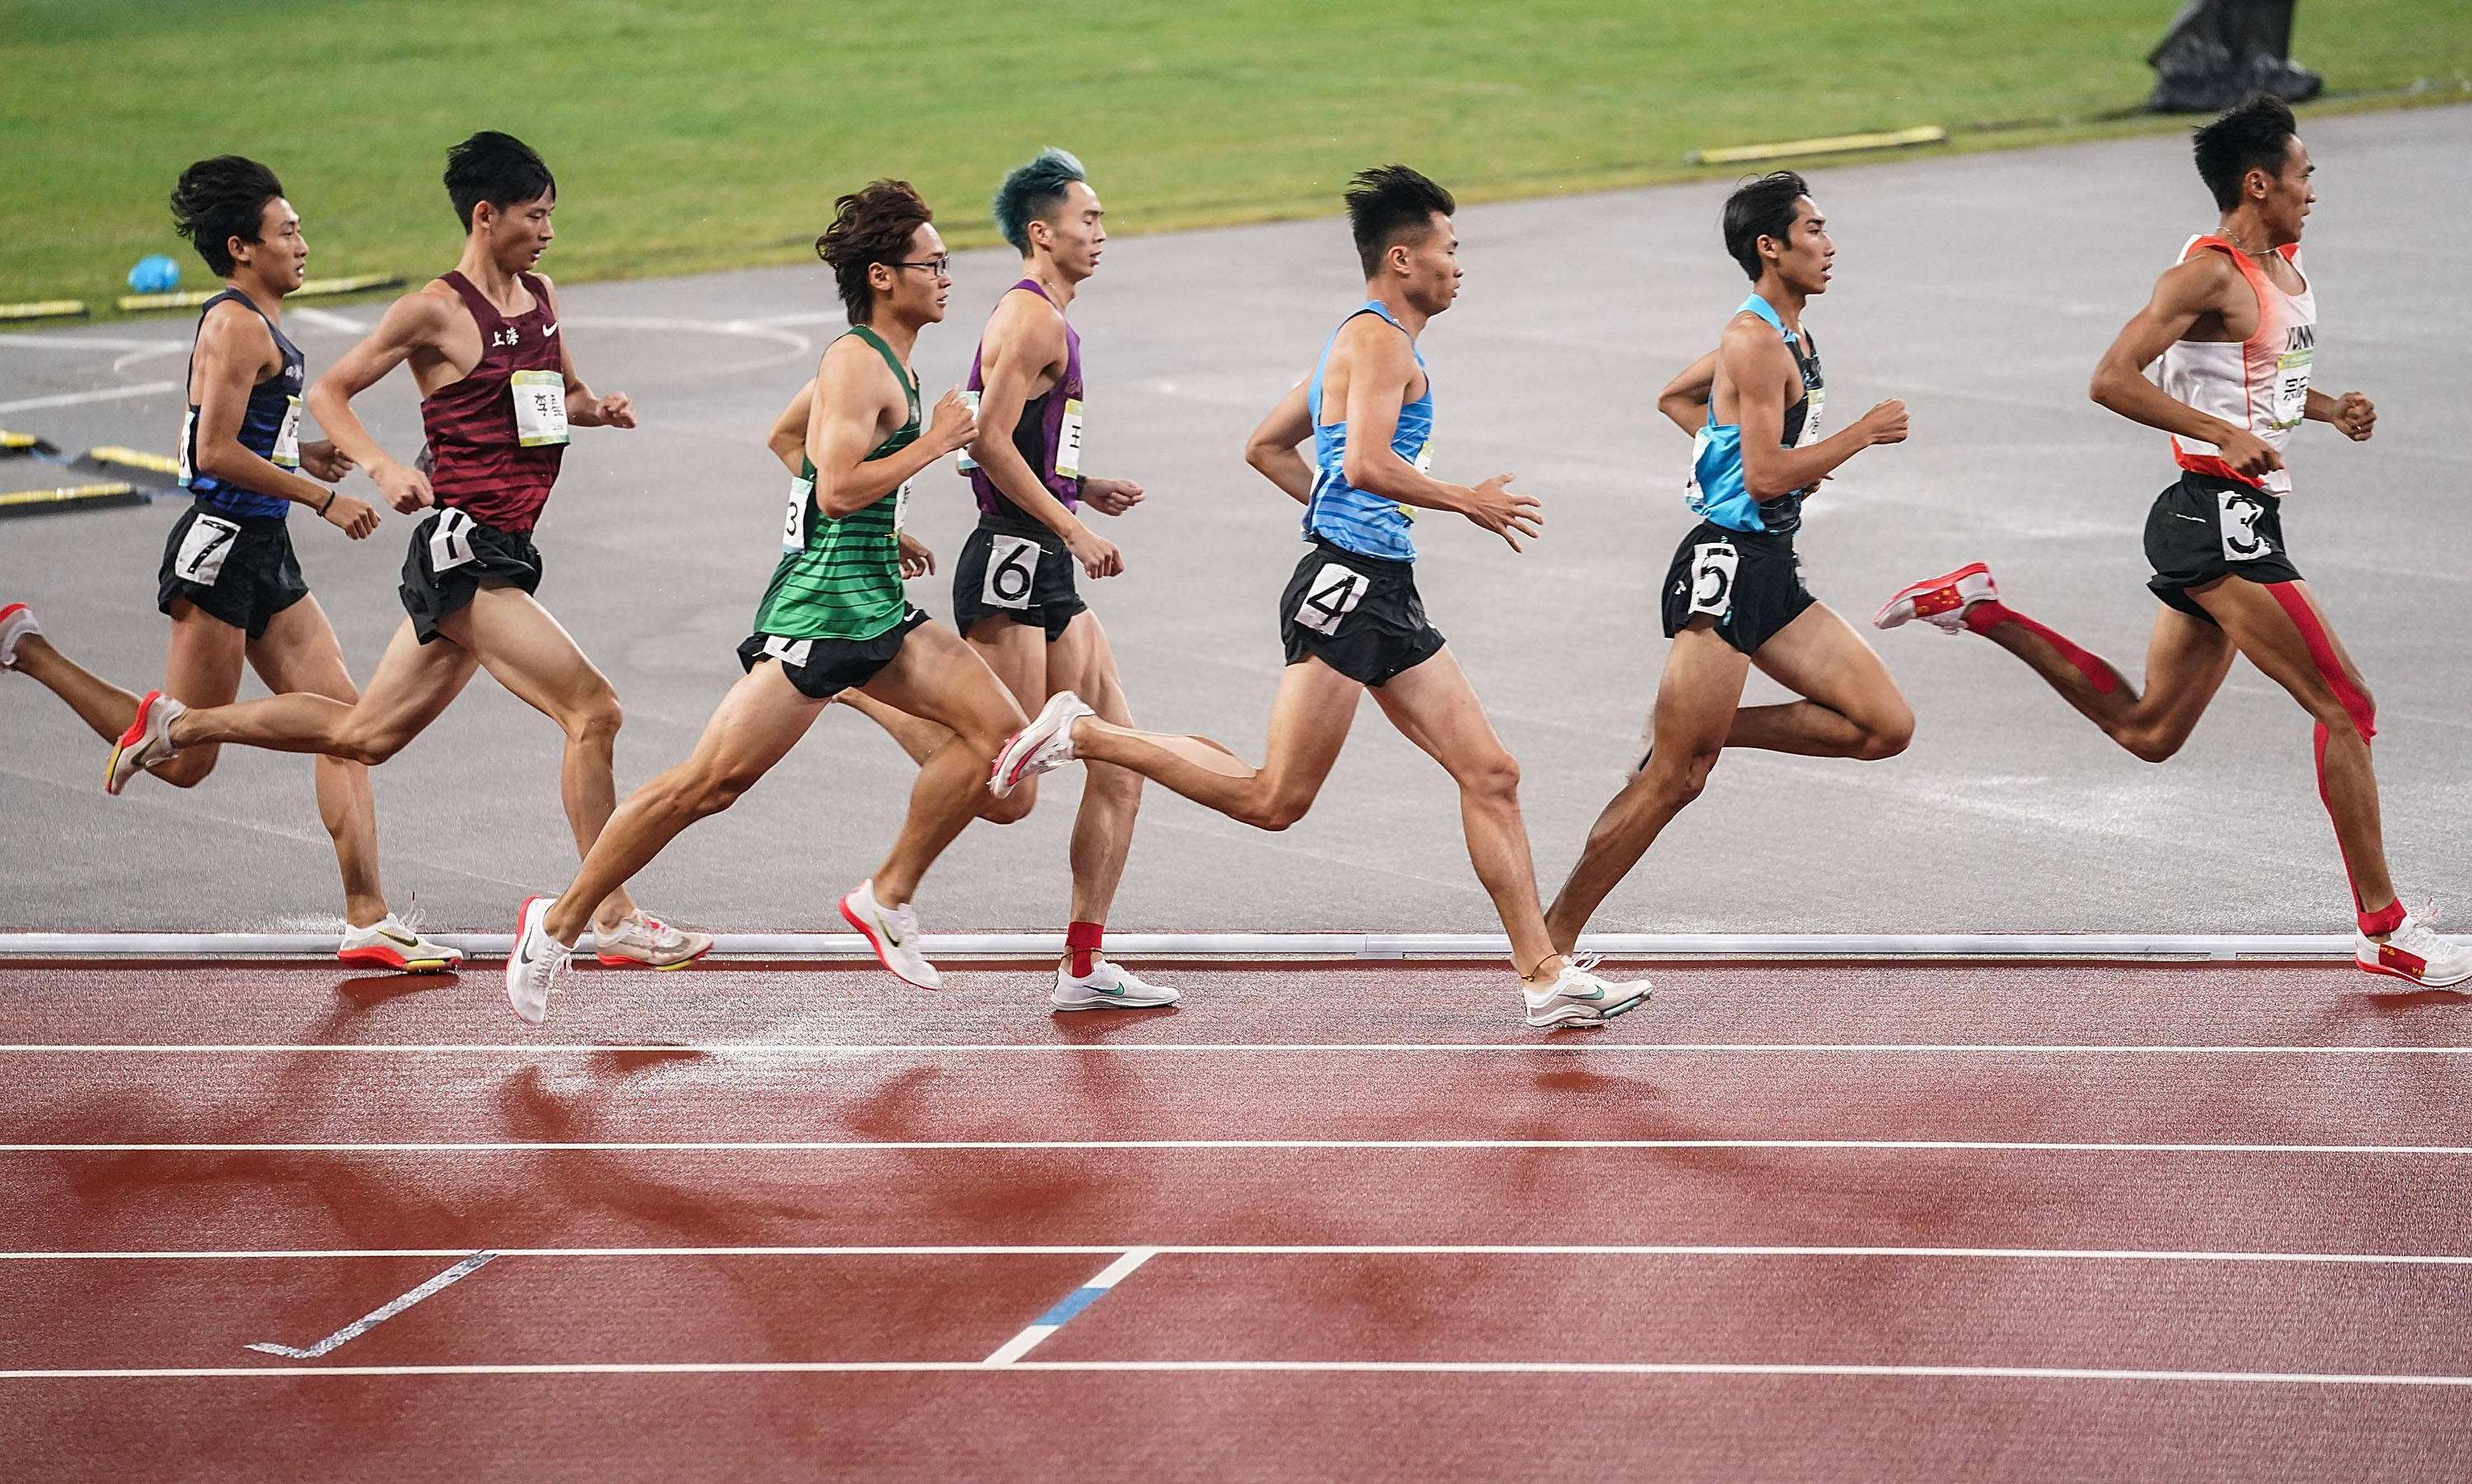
point(1187, 1048)
point(94, 343)
point(329, 320)
point(1312, 1367)
point(375, 1317)
point(1062, 1312)
point(1295, 1250)
point(79, 398)
point(1009, 1145)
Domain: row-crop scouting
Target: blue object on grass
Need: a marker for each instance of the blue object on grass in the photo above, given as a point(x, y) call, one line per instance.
point(154, 273)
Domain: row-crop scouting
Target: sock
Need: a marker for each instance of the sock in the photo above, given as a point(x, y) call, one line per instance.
point(1989, 615)
point(1081, 942)
point(2385, 920)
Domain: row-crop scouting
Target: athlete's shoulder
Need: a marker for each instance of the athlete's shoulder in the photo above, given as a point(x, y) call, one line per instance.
point(1748, 334)
point(1028, 320)
point(234, 324)
point(2208, 269)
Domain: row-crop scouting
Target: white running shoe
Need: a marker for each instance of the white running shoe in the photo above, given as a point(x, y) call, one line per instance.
point(395, 943)
point(1108, 987)
point(534, 963)
point(644, 941)
point(1578, 997)
point(2415, 952)
point(1045, 743)
point(147, 742)
point(1942, 601)
point(16, 621)
point(893, 932)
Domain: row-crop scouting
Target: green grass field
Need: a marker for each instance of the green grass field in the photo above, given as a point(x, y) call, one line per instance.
point(690, 138)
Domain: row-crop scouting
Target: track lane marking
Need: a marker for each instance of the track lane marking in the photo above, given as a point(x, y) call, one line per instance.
point(472, 1263)
point(1291, 1250)
point(921, 1145)
point(1061, 1312)
point(1130, 1048)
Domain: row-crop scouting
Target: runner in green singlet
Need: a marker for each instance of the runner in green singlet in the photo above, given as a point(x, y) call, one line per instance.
point(834, 616)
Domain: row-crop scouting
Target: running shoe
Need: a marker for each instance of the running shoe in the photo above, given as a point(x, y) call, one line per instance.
point(893, 932)
point(16, 621)
point(1108, 987)
point(1045, 743)
point(644, 941)
point(1941, 600)
point(533, 962)
point(395, 943)
point(2415, 952)
point(145, 743)
point(1579, 998)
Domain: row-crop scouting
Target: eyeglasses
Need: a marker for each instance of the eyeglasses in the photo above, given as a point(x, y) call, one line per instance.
point(938, 266)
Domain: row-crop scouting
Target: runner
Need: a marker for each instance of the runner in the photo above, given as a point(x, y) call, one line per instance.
point(499, 393)
point(1351, 617)
point(229, 582)
point(2235, 322)
point(834, 616)
point(1734, 595)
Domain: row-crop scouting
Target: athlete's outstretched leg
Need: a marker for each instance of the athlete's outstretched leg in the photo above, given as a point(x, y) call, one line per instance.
point(105, 708)
point(299, 651)
point(1309, 723)
point(938, 677)
point(1083, 661)
point(757, 723)
point(2279, 626)
point(1695, 701)
point(1851, 706)
point(413, 684)
point(1434, 706)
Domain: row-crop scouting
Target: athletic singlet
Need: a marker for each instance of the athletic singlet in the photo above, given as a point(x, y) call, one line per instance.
point(1048, 434)
point(270, 426)
point(495, 437)
point(2260, 384)
point(1336, 511)
point(1717, 493)
point(842, 578)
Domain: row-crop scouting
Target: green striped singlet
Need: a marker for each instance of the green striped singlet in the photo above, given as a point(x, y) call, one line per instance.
point(842, 578)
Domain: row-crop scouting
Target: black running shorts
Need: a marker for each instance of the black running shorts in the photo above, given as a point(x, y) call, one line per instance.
point(2205, 528)
point(451, 556)
point(242, 572)
point(1360, 615)
point(1748, 582)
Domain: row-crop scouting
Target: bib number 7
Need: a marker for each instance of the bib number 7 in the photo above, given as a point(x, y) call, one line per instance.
point(202, 550)
point(1331, 597)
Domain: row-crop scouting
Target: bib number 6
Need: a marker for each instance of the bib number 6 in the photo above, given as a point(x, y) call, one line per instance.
point(1331, 597)
point(1013, 566)
point(1712, 579)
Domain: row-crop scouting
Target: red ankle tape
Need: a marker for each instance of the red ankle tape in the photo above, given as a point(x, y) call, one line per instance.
point(1081, 940)
point(1987, 615)
point(2385, 920)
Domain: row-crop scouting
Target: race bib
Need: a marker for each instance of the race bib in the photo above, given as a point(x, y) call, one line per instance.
point(901, 508)
point(1331, 597)
point(793, 524)
point(1818, 399)
point(188, 436)
point(963, 459)
point(202, 550)
point(450, 542)
point(2238, 511)
point(2288, 401)
point(287, 438)
point(790, 651)
point(540, 407)
point(1013, 566)
point(1068, 441)
point(1712, 578)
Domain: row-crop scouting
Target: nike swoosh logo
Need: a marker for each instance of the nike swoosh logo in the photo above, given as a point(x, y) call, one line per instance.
point(886, 928)
point(406, 939)
point(549, 329)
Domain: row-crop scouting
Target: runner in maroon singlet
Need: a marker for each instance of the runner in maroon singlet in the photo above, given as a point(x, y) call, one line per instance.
point(499, 394)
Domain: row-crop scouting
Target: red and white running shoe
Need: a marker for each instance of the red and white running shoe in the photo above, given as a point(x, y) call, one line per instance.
point(893, 932)
point(2415, 952)
point(1045, 743)
point(395, 943)
point(147, 742)
point(1939, 600)
point(644, 941)
point(16, 621)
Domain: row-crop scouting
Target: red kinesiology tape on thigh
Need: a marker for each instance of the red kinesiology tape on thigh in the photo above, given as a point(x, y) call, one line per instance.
point(1983, 617)
point(1081, 940)
point(2321, 654)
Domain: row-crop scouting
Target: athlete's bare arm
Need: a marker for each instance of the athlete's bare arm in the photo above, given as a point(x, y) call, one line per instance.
point(858, 405)
point(1757, 368)
point(414, 324)
point(1021, 355)
point(236, 351)
point(1379, 365)
point(2207, 286)
point(2353, 414)
point(1272, 450)
point(1685, 399)
point(788, 442)
point(584, 410)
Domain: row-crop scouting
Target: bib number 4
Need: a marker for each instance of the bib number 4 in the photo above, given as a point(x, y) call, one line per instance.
point(1330, 597)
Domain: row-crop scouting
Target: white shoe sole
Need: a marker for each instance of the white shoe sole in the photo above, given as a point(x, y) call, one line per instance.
point(1888, 618)
point(885, 957)
point(1097, 1002)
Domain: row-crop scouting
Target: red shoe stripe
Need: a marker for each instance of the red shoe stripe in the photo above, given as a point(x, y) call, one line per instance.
point(2411, 965)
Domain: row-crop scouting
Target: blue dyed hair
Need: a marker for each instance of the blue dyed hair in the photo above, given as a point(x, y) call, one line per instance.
point(1032, 191)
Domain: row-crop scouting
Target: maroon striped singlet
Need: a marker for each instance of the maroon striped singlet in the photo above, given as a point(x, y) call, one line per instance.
point(476, 463)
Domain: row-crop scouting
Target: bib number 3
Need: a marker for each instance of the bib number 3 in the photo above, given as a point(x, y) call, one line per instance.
point(1013, 565)
point(540, 407)
point(1331, 597)
point(2238, 513)
point(793, 523)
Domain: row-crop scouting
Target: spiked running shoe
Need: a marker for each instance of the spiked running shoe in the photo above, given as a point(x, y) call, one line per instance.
point(1941, 601)
point(1045, 743)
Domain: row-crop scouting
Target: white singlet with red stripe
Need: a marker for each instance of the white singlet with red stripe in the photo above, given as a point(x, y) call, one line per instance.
point(2260, 384)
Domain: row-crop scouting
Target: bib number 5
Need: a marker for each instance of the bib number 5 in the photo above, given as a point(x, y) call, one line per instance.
point(1013, 566)
point(1712, 579)
point(1331, 597)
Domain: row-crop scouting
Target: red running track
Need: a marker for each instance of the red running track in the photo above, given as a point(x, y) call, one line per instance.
point(2183, 1311)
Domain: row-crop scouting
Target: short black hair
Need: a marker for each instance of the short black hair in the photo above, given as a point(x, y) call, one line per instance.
point(1762, 206)
point(2254, 134)
point(1389, 204)
point(1032, 191)
point(870, 227)
point(497, 168)
point(220, 198)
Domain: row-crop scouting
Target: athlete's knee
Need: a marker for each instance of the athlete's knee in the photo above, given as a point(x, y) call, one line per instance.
point(1887, 736)
point(596, 717)
point(2153, 744)
point(1492, 775)
point(368, 744)
point(1274, 810)
point(1011, 810)
point(189, 767)
point(1681, 778)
